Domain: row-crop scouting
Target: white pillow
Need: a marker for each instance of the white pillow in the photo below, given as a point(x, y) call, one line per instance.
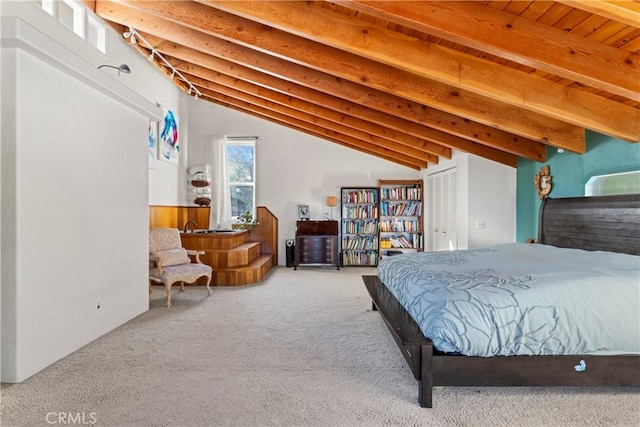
point(172, 257)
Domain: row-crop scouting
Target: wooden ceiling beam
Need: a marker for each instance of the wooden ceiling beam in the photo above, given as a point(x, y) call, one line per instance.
point(359, 128)
point(358, 139)
point(365, 139)
point(624, 11)
point(345, 65)
point(311, 129)
point(421, 115)
point(518, 39)
point(393, 81)
point(448, 66)
point(386, 120)
point(334, 109)
point(393, 127)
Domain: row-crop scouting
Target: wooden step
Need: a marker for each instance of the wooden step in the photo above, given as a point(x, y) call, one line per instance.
point(253, 272)
point(237, 258)
point(243, 254)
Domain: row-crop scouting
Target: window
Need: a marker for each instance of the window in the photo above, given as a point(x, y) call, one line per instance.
point(240, 153)
point(47, 5)
point(73, 15)
point(615, 183)
point(96, 34)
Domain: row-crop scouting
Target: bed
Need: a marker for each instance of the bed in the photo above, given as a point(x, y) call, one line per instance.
point(521, 330)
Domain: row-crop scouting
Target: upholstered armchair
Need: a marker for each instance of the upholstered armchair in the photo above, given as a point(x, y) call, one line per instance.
point(169, 262)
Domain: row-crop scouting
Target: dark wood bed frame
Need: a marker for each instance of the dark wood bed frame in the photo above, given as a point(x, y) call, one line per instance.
point(610, 223)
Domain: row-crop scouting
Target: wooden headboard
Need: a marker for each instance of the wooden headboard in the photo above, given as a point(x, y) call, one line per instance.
point(605, 223)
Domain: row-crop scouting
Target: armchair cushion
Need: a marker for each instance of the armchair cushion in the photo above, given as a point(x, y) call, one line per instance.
point(188, 273)
point(171, 257)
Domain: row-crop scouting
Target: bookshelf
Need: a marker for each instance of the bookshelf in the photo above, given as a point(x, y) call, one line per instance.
point(359, 226)
point(400, 220)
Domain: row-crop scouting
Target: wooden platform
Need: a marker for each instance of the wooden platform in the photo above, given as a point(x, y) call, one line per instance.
point(238, 258)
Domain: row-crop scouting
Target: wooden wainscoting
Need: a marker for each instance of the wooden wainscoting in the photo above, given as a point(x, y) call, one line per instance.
point(178, 216)
point(266, 232)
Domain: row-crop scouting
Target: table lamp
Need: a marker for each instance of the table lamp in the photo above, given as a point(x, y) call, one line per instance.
point(331, 202)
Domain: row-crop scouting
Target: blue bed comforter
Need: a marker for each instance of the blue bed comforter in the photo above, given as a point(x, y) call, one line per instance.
point(520, 299)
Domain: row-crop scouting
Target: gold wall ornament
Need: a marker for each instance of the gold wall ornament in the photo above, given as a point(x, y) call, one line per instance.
point(542, 182)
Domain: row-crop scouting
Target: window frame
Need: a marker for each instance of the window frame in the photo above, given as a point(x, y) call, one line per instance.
point(240, 141)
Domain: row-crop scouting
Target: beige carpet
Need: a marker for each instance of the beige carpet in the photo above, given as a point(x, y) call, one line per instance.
point(301, 349)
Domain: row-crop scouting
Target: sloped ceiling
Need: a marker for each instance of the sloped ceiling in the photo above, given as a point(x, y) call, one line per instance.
point(407, 81)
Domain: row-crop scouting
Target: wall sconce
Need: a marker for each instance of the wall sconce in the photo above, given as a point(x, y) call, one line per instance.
point(122, 68)
point(331, 202)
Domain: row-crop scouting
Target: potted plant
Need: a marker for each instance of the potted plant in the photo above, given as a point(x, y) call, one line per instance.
point(245, 222)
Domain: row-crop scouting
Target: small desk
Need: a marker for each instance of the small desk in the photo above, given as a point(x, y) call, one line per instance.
point(317, 243)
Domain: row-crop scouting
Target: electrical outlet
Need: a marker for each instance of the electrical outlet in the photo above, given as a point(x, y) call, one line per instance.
point(480, 223)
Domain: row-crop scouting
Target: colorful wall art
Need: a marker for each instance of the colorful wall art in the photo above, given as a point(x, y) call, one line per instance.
point(152, 143)
point(168, 144)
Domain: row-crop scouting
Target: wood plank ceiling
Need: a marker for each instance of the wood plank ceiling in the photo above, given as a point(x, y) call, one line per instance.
point(407, 81)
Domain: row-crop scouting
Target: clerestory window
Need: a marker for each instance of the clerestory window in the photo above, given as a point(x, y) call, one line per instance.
point(614, 183)
point(75, 16)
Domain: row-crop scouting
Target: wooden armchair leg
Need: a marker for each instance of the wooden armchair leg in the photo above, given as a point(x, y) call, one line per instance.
point(168, 286)
point(181, 286)
point(209, 291)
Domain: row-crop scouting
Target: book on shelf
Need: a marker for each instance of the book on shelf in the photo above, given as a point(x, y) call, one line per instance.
point(359, 242)
point(359, 211)
point(412, 240)
point(358, 226)
point(359, 196)
point(401, 193)
point(404, 225)
point(390, 208)
point(364, 258)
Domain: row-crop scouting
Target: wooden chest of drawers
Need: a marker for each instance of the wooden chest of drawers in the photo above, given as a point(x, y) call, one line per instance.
point(317, 243)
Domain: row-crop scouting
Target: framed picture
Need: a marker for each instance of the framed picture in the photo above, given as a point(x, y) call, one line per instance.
point(303, 211)
point(153, 143)
point(168, 143)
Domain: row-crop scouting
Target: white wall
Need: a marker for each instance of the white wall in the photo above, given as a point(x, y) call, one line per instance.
point(292, 167)
point(492, 200)
point(74, 184)
point(81, 205)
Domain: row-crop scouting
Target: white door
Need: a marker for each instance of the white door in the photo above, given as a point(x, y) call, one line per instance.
point(442, 218)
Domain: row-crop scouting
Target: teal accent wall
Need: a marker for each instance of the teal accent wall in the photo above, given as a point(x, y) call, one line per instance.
point(569, 174)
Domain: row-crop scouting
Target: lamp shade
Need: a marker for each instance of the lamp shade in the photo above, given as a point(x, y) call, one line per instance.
point(332, 201)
